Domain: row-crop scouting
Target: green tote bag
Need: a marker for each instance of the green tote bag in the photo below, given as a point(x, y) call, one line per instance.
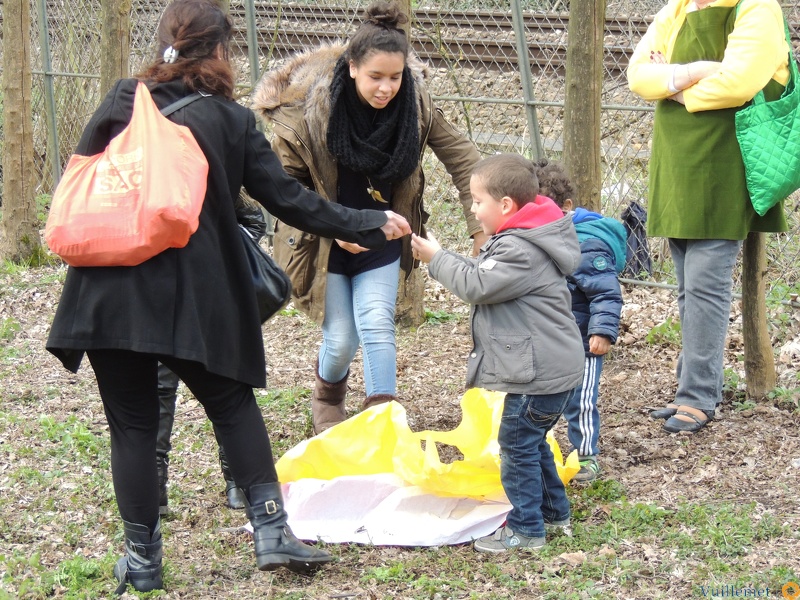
point(769, 137)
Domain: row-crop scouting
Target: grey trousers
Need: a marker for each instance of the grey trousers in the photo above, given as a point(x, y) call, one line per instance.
point(704, 269)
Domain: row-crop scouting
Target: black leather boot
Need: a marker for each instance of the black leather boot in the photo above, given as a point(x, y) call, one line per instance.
point(275, 543)
point(234, 493)
point(141, 565)
point(167, 396)
point(162, 463)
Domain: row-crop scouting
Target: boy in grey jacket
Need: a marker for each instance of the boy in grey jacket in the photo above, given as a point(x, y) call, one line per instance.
point(525, 339)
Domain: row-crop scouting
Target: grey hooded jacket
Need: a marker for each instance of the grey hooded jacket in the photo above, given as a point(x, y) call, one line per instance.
point(525, 339)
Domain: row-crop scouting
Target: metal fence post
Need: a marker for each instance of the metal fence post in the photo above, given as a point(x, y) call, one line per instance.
point(49, 93)
point(524, 65)
point(252, 43)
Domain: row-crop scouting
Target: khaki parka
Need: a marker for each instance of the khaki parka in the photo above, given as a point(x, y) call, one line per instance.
point(295, 102)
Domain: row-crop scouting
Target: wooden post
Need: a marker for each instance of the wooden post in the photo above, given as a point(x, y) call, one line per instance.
point(405, 6)
point(582, 100)
point(759, 362)
point(19, 238)
point(115, 42)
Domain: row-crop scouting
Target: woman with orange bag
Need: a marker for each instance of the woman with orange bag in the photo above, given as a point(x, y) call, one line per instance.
point(194, 308)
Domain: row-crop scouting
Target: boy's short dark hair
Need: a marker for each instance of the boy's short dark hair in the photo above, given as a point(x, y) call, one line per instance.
point(554, 181)
point(508, 175)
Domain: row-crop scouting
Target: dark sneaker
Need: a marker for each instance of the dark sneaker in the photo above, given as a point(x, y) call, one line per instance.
point(504, 539)
point(590, 470)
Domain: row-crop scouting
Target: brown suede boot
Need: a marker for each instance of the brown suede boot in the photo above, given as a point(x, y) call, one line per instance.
point(377, 399)
point(327, 402)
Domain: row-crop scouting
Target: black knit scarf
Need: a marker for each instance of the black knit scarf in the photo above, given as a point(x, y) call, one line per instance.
point(385, 149)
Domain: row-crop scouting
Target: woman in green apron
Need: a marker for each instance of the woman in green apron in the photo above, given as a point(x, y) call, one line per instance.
point(701, 61)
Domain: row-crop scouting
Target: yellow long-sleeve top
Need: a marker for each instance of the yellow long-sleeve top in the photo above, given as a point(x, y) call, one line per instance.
point(756, 52)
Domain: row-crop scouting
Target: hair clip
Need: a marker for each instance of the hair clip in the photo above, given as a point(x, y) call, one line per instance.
point(170, 55)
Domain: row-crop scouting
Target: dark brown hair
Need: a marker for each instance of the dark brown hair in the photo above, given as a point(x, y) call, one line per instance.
point(195, 28)
point(379, 32)
point(508, 175)
point(554, 181)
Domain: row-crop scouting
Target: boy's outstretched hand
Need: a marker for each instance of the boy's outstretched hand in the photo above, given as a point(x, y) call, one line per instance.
point(424, 249)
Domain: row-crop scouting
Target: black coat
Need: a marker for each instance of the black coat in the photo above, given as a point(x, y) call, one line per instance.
point(196, 302)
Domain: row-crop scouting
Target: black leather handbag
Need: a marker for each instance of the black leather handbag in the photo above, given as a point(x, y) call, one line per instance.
point(273, 286)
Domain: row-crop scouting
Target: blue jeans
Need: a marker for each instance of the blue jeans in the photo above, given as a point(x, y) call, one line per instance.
point(581, 414)
point(704, 269)
point(527, 467)
point(360, 310)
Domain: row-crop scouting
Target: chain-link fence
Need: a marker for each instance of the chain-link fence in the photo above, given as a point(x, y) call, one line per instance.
point(473, 49)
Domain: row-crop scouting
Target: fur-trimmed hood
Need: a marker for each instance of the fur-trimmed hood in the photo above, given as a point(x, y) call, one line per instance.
point(295, 101)
point(306, 77)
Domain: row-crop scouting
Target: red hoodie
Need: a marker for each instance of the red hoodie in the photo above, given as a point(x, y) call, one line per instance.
point(534, 214)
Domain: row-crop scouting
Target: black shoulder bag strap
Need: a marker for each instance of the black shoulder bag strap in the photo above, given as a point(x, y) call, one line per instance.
point(168, 110)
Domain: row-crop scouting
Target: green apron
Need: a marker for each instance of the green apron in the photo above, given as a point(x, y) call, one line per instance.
point(697, 187)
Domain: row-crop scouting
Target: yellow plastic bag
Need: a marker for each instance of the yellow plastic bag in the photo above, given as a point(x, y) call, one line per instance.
point(379, 440)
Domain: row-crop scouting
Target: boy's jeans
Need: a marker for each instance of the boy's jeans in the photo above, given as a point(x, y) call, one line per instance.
point(581, 414)
point(360, 309)
point(527, 467)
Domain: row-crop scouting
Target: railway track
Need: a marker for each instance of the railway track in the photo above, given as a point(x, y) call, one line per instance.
point(478, 37)
point(429, 18)
point(488, 53)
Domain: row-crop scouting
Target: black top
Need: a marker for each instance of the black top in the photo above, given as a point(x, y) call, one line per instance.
point(196, 302)
point(354, 192)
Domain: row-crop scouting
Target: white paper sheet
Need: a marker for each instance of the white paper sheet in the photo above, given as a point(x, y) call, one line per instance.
point(382, 510)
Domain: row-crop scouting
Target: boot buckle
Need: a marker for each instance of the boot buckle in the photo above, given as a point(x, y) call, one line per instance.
point(271, 507)
point(140, 549)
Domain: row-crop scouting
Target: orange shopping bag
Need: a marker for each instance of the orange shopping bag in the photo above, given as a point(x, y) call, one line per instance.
point(141, 195)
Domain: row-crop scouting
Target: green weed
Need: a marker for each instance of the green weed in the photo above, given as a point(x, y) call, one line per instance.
point(78, 574)
point(42, 208)
point(667, 333)
point(393, 573)
point(410, 575)
point(727, 530)
point(291, 408)
point(605, 490)
point(40, 258)
point(72, 436)
point(733, 388)
point(786, 398)
point(439, 316)
point(11, 268)
point(9, 328)
point(283, 401)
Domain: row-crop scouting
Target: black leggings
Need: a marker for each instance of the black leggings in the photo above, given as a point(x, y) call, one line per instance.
point(128, 383)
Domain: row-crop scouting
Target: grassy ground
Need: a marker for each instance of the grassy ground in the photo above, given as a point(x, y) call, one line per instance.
point(672, 517)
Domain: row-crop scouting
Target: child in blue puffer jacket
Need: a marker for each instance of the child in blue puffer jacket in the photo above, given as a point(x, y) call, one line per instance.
point(596, 304)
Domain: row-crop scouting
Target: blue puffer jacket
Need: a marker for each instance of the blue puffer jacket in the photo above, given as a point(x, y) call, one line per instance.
point(596, 295)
